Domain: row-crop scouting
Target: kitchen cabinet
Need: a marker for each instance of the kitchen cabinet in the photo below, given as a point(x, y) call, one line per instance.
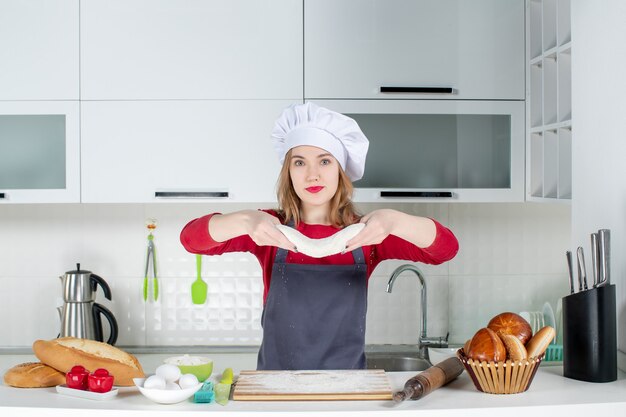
point(190, 150)
point(439, 150)
point(549, 101)
point(474, 48)
point(39, 152)
point(39, 50)
point(197, 49)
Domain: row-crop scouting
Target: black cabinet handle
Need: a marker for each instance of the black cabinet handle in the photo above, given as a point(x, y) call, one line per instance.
point(1, 195)
point(421, 90)
point(418, 194)
point(191, 194)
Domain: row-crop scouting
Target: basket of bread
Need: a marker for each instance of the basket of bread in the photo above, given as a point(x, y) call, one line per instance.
point(503, 357)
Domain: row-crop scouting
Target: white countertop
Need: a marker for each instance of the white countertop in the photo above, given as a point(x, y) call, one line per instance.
point(550, 392)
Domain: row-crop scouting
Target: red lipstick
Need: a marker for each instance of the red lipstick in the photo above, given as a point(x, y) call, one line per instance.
point(316, 189)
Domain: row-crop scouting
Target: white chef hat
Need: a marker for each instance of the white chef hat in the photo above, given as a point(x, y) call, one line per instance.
point(309, 124)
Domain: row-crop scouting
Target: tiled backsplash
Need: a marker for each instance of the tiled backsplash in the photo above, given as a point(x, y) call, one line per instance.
point(510, 258)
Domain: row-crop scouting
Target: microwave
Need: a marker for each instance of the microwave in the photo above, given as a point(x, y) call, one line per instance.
point(439, 150)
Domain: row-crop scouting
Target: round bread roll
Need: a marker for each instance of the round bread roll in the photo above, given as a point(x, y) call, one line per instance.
point(514, 348)
point(540, 341)
point(487, 346)
point(33, 375)
point(511, 323)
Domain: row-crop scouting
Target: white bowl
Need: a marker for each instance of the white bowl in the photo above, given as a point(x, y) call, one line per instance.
point(164, 396)
point(437, 355)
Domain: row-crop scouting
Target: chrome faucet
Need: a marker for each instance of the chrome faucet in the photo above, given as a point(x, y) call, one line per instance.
point(424, 341)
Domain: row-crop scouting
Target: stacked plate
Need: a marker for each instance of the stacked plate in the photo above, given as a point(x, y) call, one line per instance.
point(546, 317)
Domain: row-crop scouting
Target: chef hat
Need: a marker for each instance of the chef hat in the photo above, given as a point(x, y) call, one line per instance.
point(309, 124)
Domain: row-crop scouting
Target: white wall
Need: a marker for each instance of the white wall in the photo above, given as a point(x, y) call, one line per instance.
point(511, 258)
point(598, 138)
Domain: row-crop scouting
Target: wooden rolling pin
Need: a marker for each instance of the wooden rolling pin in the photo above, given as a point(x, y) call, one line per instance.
point(426, 382)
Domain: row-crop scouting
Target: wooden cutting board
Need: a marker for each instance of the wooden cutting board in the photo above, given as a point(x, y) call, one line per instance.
point(366, 384)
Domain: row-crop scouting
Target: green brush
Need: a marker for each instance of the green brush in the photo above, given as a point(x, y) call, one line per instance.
point(199, 287)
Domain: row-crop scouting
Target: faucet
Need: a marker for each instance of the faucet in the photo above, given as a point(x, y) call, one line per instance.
point(424, 341)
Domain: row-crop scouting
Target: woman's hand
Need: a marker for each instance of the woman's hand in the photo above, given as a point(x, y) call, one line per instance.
point(379, 224)
point(259, 225)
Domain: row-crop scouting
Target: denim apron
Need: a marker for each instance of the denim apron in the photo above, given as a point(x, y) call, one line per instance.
point(314, 316)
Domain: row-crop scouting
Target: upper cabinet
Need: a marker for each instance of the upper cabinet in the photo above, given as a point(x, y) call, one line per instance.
point(39, 50)
point(39, 152)
point(439, 150)
point(179, 150)
point(196, 49)
point(444, 49)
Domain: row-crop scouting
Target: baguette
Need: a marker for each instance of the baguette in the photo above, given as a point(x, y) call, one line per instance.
point(33, 375)
point(65, 352)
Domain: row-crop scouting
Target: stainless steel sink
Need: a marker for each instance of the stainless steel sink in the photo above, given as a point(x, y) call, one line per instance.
point(392, 362)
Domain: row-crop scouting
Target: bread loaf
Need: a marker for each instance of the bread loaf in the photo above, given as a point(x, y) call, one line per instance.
point(514, 348)
point(540, 341)
point(511, 323)
point(487, 346)
point(33, 375)
point(65, 352)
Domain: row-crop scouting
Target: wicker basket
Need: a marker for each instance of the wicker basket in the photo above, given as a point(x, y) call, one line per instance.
point(510, 377)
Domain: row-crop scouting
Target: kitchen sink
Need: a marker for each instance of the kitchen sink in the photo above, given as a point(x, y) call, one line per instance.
point(392, 362)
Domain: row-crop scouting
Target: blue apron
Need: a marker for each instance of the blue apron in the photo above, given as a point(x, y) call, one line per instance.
point(314, 316)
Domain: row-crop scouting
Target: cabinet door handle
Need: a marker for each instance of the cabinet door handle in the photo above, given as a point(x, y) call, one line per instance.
point(191, 194)
point(1, 195)
point(421, 90)
point(417, 194)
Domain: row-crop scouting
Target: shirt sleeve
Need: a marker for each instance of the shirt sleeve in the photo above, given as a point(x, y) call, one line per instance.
point(195, 238)
point(444, 247)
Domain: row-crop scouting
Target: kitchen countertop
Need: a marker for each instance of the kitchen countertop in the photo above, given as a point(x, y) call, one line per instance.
point(550, 392)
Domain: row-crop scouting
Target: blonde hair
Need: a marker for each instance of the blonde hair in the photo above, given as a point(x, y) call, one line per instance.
point(342, 211)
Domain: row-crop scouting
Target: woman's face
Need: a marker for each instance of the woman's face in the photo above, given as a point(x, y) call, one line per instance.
point(314, 173)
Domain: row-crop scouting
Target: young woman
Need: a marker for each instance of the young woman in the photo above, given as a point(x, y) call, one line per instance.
point(314, 308)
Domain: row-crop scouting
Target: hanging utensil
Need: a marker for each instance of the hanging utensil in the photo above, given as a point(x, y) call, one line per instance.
point(582, 270)
point(199, 287)
point(151, 258)
point(570, 270)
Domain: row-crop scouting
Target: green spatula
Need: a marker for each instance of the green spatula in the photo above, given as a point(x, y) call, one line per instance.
point(199, 287)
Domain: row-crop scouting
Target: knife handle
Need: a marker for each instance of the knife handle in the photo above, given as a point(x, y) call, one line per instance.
point(582, 270)
point(604, 243)
point(595, 266)
point(426, 382)
point(570, 270)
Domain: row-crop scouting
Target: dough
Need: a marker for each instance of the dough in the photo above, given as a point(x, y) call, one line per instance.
point(319, 248)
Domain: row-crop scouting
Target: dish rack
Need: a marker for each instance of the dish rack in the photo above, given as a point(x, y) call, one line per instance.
point(554, 353)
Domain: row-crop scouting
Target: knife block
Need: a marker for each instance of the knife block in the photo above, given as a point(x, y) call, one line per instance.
point(590, 335)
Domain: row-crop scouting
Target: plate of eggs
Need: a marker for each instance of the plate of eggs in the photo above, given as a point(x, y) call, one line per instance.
point(168, 385)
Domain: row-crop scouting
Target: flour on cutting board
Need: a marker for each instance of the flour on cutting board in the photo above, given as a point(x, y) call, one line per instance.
point(356, 381)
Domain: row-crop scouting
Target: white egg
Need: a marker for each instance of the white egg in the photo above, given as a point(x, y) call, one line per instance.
point(188, 381)
point(170, 373)
point(154, 382)
point(172, 386)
